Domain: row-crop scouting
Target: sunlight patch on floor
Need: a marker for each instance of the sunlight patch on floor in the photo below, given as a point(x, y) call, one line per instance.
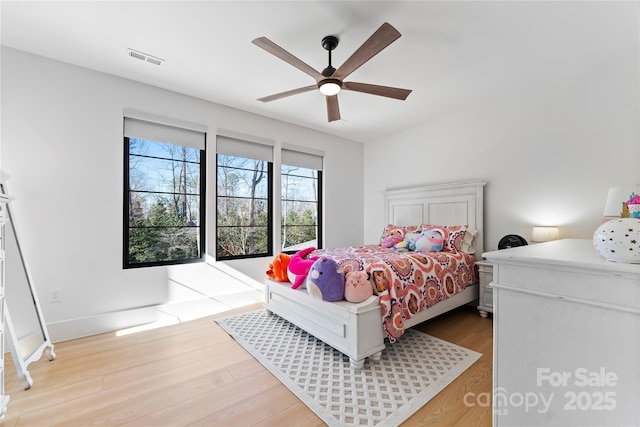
point(147, 327)
point(198, 292)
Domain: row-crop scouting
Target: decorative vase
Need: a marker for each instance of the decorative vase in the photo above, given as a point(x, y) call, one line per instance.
point(618, 240)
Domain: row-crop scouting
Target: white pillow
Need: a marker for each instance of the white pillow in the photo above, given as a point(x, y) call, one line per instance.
point(469, 242)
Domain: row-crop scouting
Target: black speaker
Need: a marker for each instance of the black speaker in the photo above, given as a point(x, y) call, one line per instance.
point(511, 241)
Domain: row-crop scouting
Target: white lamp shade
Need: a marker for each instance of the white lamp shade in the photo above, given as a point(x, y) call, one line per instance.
point(615, 198)
point(545, 234)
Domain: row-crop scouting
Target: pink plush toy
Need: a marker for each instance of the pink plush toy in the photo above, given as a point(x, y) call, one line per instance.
point(393, 236)
point(325, 280)
point(299, 267)
point(429, 241)
point(357, 287)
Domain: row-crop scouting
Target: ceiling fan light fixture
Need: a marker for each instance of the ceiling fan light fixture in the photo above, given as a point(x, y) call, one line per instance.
point(330, 81)
point(330, 87)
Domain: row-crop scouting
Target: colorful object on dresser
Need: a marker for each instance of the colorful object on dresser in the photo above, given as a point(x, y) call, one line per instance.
point(357, 286)
point(278, 269)
point(634, 205)
point(326, 280)
point(299, 266)
point(392, 237)
point(618, 240)
point(429, 241)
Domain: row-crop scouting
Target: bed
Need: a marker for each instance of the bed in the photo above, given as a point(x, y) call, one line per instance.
point(358, 329)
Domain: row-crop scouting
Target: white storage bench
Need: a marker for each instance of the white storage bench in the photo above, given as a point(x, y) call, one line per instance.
point(354, 329)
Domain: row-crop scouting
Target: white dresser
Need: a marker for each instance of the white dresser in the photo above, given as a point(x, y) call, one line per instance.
point(4, 399)
point(566, 337)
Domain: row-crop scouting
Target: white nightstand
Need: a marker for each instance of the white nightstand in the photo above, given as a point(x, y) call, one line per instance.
point(485, 297)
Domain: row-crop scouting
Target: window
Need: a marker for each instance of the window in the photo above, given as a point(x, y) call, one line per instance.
point(301, 183)
point(164, 194)
point(244, 195)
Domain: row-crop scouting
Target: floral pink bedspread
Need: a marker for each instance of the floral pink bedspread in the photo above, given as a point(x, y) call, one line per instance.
point(406, 282)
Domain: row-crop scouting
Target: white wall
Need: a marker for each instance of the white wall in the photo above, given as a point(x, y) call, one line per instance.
point(62, 144)
point(548, 154)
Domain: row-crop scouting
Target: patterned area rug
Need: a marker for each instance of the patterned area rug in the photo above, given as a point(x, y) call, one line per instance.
point(383, 393)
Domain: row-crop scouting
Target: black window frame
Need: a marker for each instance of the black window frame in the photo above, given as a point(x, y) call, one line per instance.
point(270, 207)
point(319, 244)
point(202, 213)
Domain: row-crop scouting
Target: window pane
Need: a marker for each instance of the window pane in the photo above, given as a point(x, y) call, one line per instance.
point(243, 207)
point(237, 212)
point(150, 245)
point(163, 204)
point(300, 206)
point(298, 171)
point(141, 147)
point(152, 209)
point(296, 212)
point(238, 241)
point(246, 178)
point(301, 190)
point(163, 175)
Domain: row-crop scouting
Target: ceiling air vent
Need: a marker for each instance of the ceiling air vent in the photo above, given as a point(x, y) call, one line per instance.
point(144, 57)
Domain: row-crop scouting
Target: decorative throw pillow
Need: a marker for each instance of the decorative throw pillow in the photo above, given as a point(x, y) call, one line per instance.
point(469, 241)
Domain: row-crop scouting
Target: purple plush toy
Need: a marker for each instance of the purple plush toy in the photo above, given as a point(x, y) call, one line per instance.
point(325, 280)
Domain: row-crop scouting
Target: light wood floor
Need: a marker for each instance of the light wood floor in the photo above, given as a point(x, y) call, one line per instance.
point(193, 373)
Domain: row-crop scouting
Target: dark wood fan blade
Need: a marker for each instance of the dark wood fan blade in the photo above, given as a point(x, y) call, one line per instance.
point(383, 37)
point(333, 109)
point(276, 50)
point(389, 92)
point(287, 93)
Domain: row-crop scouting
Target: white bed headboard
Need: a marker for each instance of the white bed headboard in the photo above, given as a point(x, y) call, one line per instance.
point(455, 203)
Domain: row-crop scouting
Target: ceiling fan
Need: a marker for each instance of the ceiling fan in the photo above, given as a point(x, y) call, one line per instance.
point(330, 81)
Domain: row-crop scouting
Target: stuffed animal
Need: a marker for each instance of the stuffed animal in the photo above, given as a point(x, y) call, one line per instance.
point(357, 286)
point(299, 267)
point(408, 243)
point(633, 205)
point(401, 246)
point(325, 280)
point(429, 241)
point(278, 269)
point(380, 281)
point(392, 237)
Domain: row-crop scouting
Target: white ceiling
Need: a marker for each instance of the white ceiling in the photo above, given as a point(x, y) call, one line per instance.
point(453, 54)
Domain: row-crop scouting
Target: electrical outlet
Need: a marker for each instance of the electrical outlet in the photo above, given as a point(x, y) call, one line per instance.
point(55, 295)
